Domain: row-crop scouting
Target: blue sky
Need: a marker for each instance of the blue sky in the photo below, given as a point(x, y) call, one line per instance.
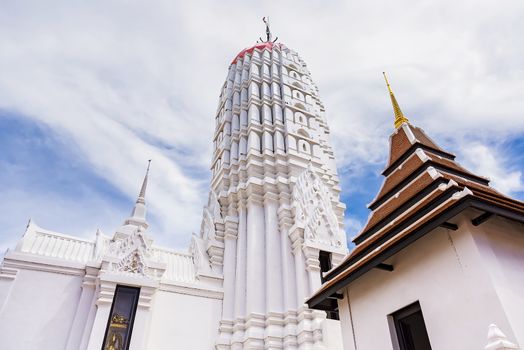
point(90, 91)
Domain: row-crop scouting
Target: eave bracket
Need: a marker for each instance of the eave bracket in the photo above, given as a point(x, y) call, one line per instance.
point(481, 218)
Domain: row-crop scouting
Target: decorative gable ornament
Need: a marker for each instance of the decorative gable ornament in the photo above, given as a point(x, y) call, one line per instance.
point(197, 248)
point(130, 254)
point(314, 211)
point(136, 240)
point(211, 215)
point(211, 234)
point(133, 263)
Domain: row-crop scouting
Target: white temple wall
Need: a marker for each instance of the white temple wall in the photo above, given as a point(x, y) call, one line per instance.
point(39, 310)
point(501, 244)
point(446, 272)
point(332, 334)
point(182, 321)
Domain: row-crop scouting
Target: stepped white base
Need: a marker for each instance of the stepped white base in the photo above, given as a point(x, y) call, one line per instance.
point(292, 330)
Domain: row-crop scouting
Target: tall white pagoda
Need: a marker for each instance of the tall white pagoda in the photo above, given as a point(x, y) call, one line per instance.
point(275, 178)
point(273, 223)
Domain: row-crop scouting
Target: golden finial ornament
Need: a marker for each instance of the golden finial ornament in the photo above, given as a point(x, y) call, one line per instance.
point(399, 116)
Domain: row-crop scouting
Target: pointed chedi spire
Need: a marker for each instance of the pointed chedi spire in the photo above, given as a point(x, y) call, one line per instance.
point(142, 195)
point(399, 116)
point(138, 215)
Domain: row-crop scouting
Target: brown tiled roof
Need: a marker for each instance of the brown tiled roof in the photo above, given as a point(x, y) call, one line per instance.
point(407, 215)
point(402, 181)
point(426, 140)
point(421, 186)
point(399, 144)
point(405, 137)
point(408, 192)
point(415, 163)
point(398, 175)
point(341, 275)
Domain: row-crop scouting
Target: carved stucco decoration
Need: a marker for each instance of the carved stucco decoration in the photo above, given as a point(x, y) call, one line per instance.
point(207, 228)
point(134, 250)
point(210, 215)
point(133, 263)
point(314, 211)
point(197, 248)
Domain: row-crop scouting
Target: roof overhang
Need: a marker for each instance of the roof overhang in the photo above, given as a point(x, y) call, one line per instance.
point(338, 279)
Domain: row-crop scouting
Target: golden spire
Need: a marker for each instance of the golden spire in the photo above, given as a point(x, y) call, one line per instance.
point(399, 116)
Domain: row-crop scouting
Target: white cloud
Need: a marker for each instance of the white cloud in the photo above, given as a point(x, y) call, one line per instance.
point(492, 163)
point(352, 226)
point(134, 81)
point(54, 212)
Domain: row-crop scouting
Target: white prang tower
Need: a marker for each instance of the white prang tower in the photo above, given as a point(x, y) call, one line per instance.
point(274, 204)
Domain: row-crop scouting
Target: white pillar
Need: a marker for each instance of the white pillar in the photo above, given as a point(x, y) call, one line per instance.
point(82, 312)
point(313, 268)
point(256, 277)
point(274, 290)
point(141, 326)
point(230, 256)
point(240, 275)
point(86, 334)
point(288, 262)
point(228, 304)
point(288, 274)
point(301, 273)
point(240, 287)
point(255, 293)
point(274, 334)
point(103, 307)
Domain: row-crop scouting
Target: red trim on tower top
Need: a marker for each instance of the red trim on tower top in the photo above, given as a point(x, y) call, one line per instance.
point(261, 46)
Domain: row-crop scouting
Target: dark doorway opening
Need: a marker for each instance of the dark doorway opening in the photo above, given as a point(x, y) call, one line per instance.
point(410, 328)
point(121, 318)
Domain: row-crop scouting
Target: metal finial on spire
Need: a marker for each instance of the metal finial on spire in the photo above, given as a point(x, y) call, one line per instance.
point(269, 36)
point(399, 116)
point(142, 194)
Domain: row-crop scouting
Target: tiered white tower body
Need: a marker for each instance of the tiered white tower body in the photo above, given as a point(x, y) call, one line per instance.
point(276, 189)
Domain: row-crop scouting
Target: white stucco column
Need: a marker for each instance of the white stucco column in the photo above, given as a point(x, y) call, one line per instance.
point(229, 271)
point(106, 292)
point(81, 320)
point(301, 273)
point(274, 291)
point(288, 262)
point(230, 257)
point(255, 293)
point(288, 274)
point(91, 316)
point(240, 286)
point(274, 332)
point(256, 276)
point(240, 279)
point(141, 327)
point(311, 255)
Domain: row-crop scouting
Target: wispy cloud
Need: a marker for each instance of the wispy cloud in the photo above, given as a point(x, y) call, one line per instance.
point(123, 83)
point(496, 164)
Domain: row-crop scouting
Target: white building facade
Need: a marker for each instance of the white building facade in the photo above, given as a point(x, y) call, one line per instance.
point(439, 262)
point(273, 221)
